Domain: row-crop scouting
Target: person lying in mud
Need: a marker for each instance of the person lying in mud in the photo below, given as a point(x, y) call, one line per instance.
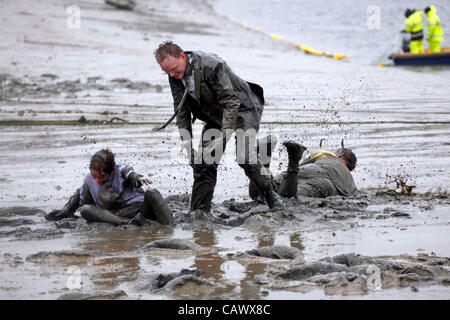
point(112, 193)
point(322, 174)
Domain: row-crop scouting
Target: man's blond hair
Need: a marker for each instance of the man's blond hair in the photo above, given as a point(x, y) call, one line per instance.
point(167, 48)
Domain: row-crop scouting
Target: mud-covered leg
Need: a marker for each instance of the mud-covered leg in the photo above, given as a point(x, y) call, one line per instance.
point(93, 213)
point(288, 187)
point(246, 152)
point(155, 207)
point(265, 147)
point(205, 178)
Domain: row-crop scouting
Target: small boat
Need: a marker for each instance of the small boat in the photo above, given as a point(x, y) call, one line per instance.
point(422, 59)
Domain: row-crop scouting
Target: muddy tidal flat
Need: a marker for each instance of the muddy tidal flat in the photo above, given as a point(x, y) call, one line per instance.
point(66, 93)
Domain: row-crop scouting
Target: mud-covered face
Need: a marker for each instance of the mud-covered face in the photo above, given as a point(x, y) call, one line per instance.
point(174, 67)
point(101, 177)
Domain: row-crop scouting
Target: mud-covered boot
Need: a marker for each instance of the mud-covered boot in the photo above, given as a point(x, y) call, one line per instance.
point(155, 203)
point(265, 147)
point(288, 187)
point(263, 184)
point(138, 220)
point(272, 200)
point(295, 153)
point(93, 213)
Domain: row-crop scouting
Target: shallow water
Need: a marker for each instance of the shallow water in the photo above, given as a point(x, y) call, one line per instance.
point(337, 27)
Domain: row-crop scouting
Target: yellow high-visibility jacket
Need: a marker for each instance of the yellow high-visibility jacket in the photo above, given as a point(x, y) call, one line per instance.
point(435, 32)
point(414, 25)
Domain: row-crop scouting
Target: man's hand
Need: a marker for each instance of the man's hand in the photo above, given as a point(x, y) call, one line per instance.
point(142, 181)
point(56, 215)
point(136, 180)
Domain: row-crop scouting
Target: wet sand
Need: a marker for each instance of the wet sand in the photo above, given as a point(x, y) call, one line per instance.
point(52, 76)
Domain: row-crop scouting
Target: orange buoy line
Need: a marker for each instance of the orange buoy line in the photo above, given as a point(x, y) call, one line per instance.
point(304, 48)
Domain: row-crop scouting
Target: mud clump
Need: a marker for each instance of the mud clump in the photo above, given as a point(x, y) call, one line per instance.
point(64, 253)
point(14, 222)
point(182, 281)
point(354, 274)
point(122, 4)
point(46, 85)
point(276, 252)
point(19, 211)
point(98, 295)
point(26, 233)
point(68, 223)
point(392, 213)
point(227, 213)
point(161, 280)
point(421, 271)
point(174, 244)
point(309, 270)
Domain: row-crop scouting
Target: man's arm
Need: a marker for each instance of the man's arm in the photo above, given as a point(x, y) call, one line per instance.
point(70, 207)
point(133, 179)
point(183, 117)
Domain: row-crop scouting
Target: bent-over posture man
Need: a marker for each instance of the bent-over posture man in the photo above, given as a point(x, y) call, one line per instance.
point(204, 87)
point(112, 193)
point(322, 174)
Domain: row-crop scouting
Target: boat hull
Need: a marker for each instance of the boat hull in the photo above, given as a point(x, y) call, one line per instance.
point(423, 59)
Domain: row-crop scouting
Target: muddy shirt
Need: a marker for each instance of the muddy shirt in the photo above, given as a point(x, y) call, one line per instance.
point(127, 194)
point(313, 181)
point(338, 174)
point(323, 175)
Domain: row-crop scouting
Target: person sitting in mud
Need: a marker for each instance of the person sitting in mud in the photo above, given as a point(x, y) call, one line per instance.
point(323, 174)
point(112, 193)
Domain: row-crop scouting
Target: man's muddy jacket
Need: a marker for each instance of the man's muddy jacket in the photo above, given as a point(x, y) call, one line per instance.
point(219, 97)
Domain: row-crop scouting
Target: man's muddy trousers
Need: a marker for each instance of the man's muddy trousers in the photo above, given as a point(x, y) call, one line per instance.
point(154, 207)
point(205, 175)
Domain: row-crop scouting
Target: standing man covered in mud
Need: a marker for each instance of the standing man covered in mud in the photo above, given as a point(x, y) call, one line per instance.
point(112, 193)
point(204, 87)
point(322, 174)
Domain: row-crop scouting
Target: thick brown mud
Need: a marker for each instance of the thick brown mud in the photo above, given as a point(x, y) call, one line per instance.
point(231, 254)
